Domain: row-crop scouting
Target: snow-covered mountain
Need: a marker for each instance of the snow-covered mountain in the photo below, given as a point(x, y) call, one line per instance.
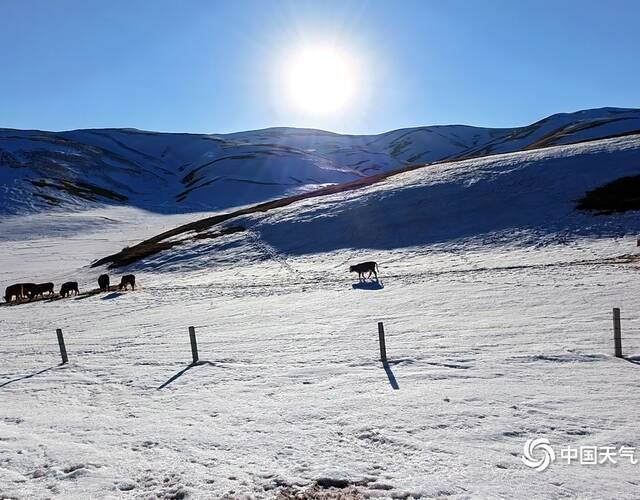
point(173, 173)
point(526, 198)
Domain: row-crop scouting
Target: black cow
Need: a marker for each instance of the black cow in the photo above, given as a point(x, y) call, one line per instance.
point(19, 291)
point(29, 290)
point(364, 267)
point(68, 287)
point(13, 291)
point(128, 279)
point(103, 282)
point(41, 289)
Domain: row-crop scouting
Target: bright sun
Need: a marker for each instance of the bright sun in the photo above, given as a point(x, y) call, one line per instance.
point(320, 80)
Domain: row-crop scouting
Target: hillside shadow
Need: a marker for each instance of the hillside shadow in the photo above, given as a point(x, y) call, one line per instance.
point(368, 285)
point(18, 379)
point(111, 296)
point(462, 213)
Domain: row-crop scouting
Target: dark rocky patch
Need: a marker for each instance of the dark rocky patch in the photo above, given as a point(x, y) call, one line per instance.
point(621, 195)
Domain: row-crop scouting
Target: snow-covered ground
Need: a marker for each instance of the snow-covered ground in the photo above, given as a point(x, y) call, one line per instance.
point(491, 341)
point(486, 348)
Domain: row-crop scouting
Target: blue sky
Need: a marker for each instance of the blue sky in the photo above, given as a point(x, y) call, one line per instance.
point(213, 66)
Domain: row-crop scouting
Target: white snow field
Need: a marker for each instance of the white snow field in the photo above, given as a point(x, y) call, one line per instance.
point(496, 297)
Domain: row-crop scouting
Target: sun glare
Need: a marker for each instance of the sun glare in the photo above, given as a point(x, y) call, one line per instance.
point(320, 80)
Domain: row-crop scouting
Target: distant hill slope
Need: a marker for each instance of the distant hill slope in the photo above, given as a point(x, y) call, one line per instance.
point(527, 198)
point(171, 173)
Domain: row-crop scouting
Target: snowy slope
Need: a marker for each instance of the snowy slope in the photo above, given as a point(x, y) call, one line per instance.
point(525, 198)
point(177, 173)
point(563, 128)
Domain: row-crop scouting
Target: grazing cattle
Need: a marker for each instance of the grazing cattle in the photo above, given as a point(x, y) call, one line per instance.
point(13, 291)
point(128, 279)
point(68, 287)
point(29, 290)
point(103, 282)
point(42, 288)
point(19, 291)
point(364, 267)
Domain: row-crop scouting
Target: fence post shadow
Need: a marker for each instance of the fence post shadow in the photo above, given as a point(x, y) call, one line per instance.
point(30, 375)
point(183, 371)
point(383, 357)
point(390, 375)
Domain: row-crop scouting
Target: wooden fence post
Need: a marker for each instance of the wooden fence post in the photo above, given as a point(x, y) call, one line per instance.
point(63, 349)
point(383, 346)
point(617, 333)
point(194, 344)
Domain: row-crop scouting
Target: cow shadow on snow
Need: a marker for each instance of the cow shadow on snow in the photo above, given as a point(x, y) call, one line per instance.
point(368, 285)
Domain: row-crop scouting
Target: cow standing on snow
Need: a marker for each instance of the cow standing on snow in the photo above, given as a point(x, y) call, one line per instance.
point(128, 279)
point(103, 282)
point(364, 267)
point(68, 287)
point(19, 291)
point(41, 289)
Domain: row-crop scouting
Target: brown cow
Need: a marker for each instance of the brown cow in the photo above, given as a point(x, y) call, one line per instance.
point(371, 267)
point(68, 287)
point(128, 279)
